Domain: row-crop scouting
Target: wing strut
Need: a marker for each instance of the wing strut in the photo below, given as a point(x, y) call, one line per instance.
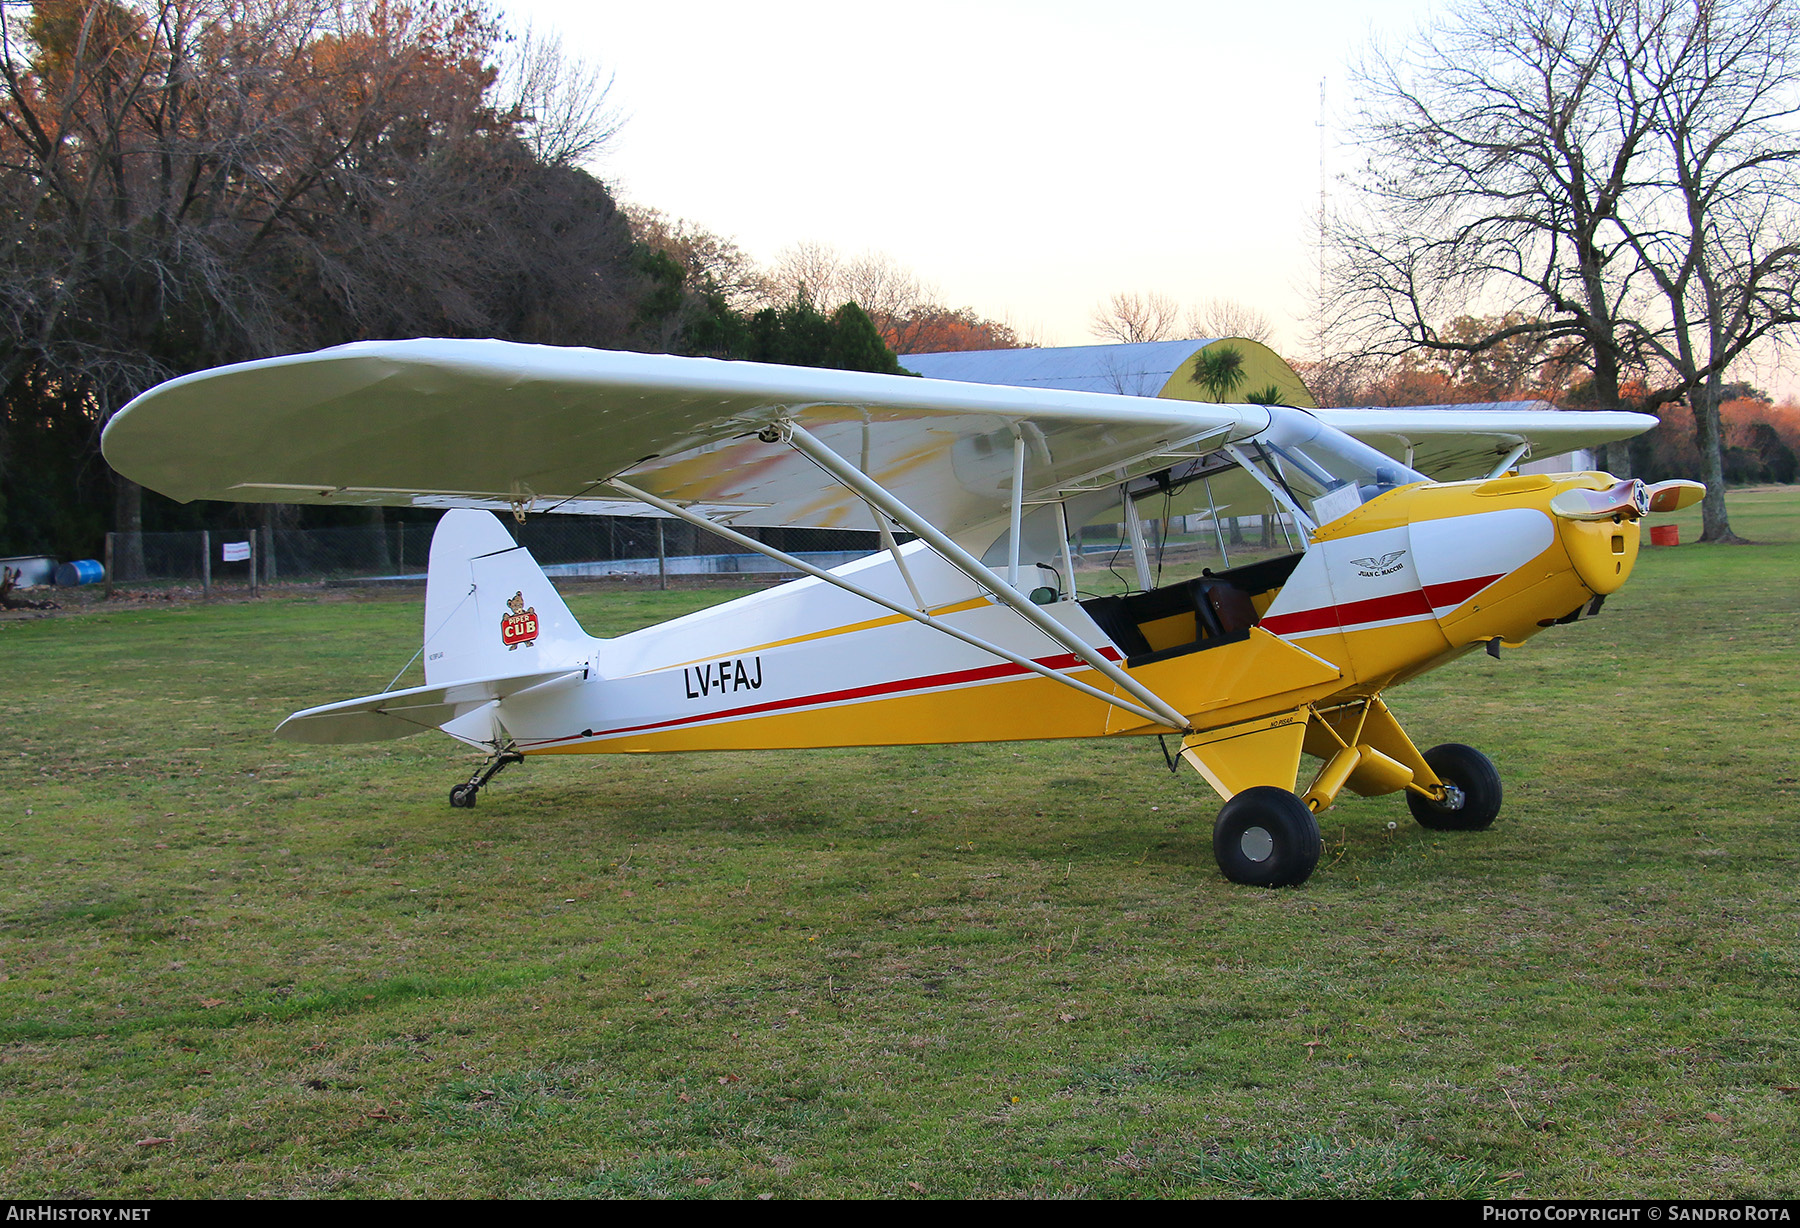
point(1519, 453)
point(801, 565)
point(804, 442)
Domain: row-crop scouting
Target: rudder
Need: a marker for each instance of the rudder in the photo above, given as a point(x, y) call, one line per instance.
point(490, 609)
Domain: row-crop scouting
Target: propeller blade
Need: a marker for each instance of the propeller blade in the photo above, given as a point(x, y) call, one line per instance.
point(1674, 495)
point(1629, 499)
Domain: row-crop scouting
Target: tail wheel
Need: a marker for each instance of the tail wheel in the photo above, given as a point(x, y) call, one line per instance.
point(1266, 837)
point(1474, 792)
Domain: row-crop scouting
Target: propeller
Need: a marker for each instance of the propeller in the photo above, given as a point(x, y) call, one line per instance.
point(1674, 495)
point(1628, 500)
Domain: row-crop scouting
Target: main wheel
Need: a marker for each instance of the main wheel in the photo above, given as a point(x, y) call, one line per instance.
point(463, 796)
point(1476, 783)
point(1266, 837)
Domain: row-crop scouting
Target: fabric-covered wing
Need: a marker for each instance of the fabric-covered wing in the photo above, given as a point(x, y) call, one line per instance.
point(493, 424)
point(1453, 442)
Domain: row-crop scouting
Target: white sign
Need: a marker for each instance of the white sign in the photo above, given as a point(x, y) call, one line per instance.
point(1334, 503)
point(236, 552)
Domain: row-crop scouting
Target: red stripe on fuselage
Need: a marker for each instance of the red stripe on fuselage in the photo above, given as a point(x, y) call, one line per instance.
point(1414, 603)
point(959, 677)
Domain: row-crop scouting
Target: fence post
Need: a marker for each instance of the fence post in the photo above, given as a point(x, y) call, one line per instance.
point(205, 565)
point(253, 562)
point(268, 553)
point(662, 559)
point(109, 564)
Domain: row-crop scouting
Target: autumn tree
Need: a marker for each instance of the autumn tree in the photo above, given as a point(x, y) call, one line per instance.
point(709, 262)
point(191, 182)
point(934, 329)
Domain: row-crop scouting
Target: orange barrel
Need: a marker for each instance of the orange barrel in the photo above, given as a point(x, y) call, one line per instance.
point(1665, 535)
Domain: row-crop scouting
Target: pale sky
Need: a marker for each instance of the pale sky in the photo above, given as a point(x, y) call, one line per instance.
point(1028, 159)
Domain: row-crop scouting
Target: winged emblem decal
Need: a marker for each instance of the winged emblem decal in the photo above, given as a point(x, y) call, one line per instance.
point(1380, 565)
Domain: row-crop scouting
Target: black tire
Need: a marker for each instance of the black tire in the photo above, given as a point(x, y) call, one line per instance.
point(463, 796)
point(1475, 775)
point(1266, 837)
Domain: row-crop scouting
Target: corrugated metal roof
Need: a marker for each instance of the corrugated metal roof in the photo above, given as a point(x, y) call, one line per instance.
point(1139, 370)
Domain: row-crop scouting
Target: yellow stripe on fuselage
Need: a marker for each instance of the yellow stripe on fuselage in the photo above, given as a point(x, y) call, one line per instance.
point(935, 611)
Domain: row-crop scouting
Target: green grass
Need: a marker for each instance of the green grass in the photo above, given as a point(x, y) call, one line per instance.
point(945, 971)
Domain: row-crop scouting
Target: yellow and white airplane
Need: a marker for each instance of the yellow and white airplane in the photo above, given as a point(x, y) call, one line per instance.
point(973, 631)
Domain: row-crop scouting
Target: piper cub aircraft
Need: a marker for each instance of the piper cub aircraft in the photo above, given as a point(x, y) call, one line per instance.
point(974, 630)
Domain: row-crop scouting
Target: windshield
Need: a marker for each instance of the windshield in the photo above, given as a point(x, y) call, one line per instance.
point(1322, 468)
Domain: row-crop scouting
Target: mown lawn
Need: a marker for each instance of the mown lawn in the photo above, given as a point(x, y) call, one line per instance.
point(236, 966)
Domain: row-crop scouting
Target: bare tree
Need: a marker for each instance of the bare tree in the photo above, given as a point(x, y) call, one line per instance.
point(1131, 318)
point(1719, 231)
point(561, 104)
point(884, 288)
point(1559, 166)
point(1224, 317)
point(810, 270)
point(1496, 168)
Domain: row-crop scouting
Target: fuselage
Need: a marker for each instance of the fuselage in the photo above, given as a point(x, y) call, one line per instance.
point(1407, 581)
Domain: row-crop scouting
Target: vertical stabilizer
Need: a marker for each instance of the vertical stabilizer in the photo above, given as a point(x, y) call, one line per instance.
point(489, 609)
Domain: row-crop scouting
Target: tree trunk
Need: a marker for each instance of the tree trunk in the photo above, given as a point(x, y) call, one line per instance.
point(1709, 437)
point(1610, 458)
point(128, 523)
point(1616, 458)
point(379, 557)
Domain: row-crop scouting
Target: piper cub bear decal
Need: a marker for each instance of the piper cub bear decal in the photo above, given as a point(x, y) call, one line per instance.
point(521, 625)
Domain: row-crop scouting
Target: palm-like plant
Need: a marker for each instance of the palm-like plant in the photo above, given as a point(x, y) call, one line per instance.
point(1219, 370)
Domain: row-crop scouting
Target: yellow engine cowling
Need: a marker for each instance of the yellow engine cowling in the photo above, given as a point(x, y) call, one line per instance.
point(1602, 551)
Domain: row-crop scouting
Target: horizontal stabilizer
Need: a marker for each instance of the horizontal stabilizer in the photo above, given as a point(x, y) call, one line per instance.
point(400, 714)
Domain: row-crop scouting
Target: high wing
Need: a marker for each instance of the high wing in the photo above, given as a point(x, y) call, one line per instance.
point(495, 424)
point(458, 423)
point(1448, 443)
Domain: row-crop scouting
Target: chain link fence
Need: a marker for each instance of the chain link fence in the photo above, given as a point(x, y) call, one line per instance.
point(650, 550)
point(567, 547)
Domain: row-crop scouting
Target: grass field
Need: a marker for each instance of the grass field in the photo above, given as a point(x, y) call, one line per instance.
point(237, 966)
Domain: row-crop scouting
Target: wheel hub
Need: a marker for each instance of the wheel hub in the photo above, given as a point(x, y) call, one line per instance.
point(1256, 843)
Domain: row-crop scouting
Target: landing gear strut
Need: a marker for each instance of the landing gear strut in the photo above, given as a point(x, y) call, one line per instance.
point(463, 795)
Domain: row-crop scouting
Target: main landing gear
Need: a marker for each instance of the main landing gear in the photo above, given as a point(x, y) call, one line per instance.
point(1267, 833)
point(463, 795)
point(1266, 837)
